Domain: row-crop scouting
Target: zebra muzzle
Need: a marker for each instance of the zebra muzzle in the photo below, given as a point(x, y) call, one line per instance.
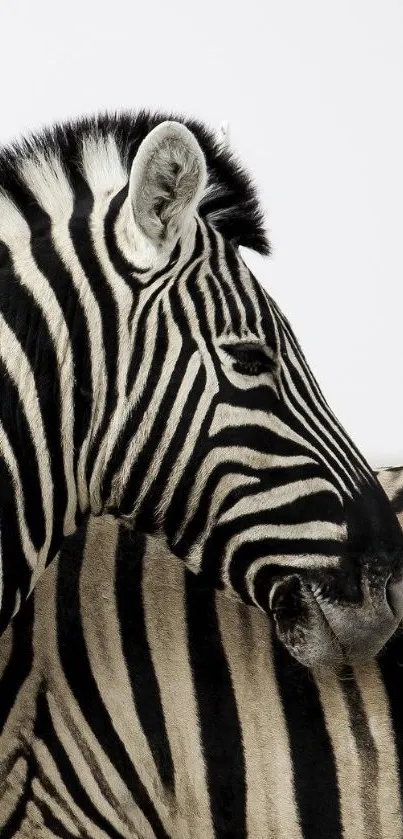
point(301, 625)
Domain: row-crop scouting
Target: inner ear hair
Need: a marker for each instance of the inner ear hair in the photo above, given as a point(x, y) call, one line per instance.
point(167, 181)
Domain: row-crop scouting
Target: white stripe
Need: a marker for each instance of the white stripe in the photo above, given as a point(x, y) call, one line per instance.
point(10, 459)
point(49, 183)
point(270, 804)
point(170, 427)
point(248, 457)
point(276, 497)
point(102, 167)
point(15, 233)
point(141, 436)
point(21, 374)
point(323, 408)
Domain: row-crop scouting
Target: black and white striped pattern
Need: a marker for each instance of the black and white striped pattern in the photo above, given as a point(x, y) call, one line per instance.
point(134, 702)
point(145, 372)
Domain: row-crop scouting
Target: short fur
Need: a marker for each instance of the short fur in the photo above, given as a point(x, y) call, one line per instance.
point(166, 387)
point(230, 204)
point(136, 703)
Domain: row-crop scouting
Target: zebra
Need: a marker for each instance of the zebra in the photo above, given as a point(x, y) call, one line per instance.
point(146, 374)
point(137, 702)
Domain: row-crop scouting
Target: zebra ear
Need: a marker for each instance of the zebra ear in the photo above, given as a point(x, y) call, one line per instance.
point(167, 181)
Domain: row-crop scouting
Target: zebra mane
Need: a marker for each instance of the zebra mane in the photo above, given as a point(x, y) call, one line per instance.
point(230, 203)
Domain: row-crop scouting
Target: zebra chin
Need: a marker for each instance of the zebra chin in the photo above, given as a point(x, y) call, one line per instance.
point(318, 633)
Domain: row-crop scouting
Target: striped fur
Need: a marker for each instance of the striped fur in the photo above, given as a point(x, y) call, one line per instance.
point(134, 702)
point(144, 372)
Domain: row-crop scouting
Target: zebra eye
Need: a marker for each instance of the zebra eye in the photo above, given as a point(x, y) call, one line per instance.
point(250, 358)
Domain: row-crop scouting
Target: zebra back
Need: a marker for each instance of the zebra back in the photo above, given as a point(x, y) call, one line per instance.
point(136, 702)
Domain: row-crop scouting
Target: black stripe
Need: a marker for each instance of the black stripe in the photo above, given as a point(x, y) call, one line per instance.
point(391, 666)
point(76, 665)
point(53, 269)
point(247, 552)
point(81, 236)
point(218, 714)
point(121, 265)
point(55, 792)
point(45, 731)
point(198, 519)
point(14, 822)
point(17, 572)
point(26, 320)
point(215, 264)
point(59, 278)
point(259, 439)
point(138, 359)
point(167, 464)
point(268, 322)
point(145, 689)
point(325, 444)
point(137, 362)
point(179, 500)
point(218, 305)
point(133, 422)
point(17, 426)
point(53, 824)
point(129, 272)
point(20, 662)
point(233, 266)
point(367, 751)
point(322, 504)
point(315, 777)
point(156, 432)
point(337, 432)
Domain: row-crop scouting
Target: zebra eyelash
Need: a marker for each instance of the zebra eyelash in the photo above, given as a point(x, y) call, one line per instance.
point(251, 359)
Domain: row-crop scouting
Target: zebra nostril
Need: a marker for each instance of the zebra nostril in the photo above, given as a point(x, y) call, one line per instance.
point(285, 595)
point(394, 596)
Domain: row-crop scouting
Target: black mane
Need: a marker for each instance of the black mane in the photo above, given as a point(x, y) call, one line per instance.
point(230, 203)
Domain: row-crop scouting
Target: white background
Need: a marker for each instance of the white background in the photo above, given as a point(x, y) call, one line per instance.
point(313, 94)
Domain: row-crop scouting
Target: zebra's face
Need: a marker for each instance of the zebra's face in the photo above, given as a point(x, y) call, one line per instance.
point(239, 463)
point(276, 503)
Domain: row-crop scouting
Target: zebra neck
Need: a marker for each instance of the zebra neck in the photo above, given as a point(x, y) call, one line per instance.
point(43, 422)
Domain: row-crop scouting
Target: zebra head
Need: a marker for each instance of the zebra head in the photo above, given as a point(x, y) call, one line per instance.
point(230, 450)
point(180, 399)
